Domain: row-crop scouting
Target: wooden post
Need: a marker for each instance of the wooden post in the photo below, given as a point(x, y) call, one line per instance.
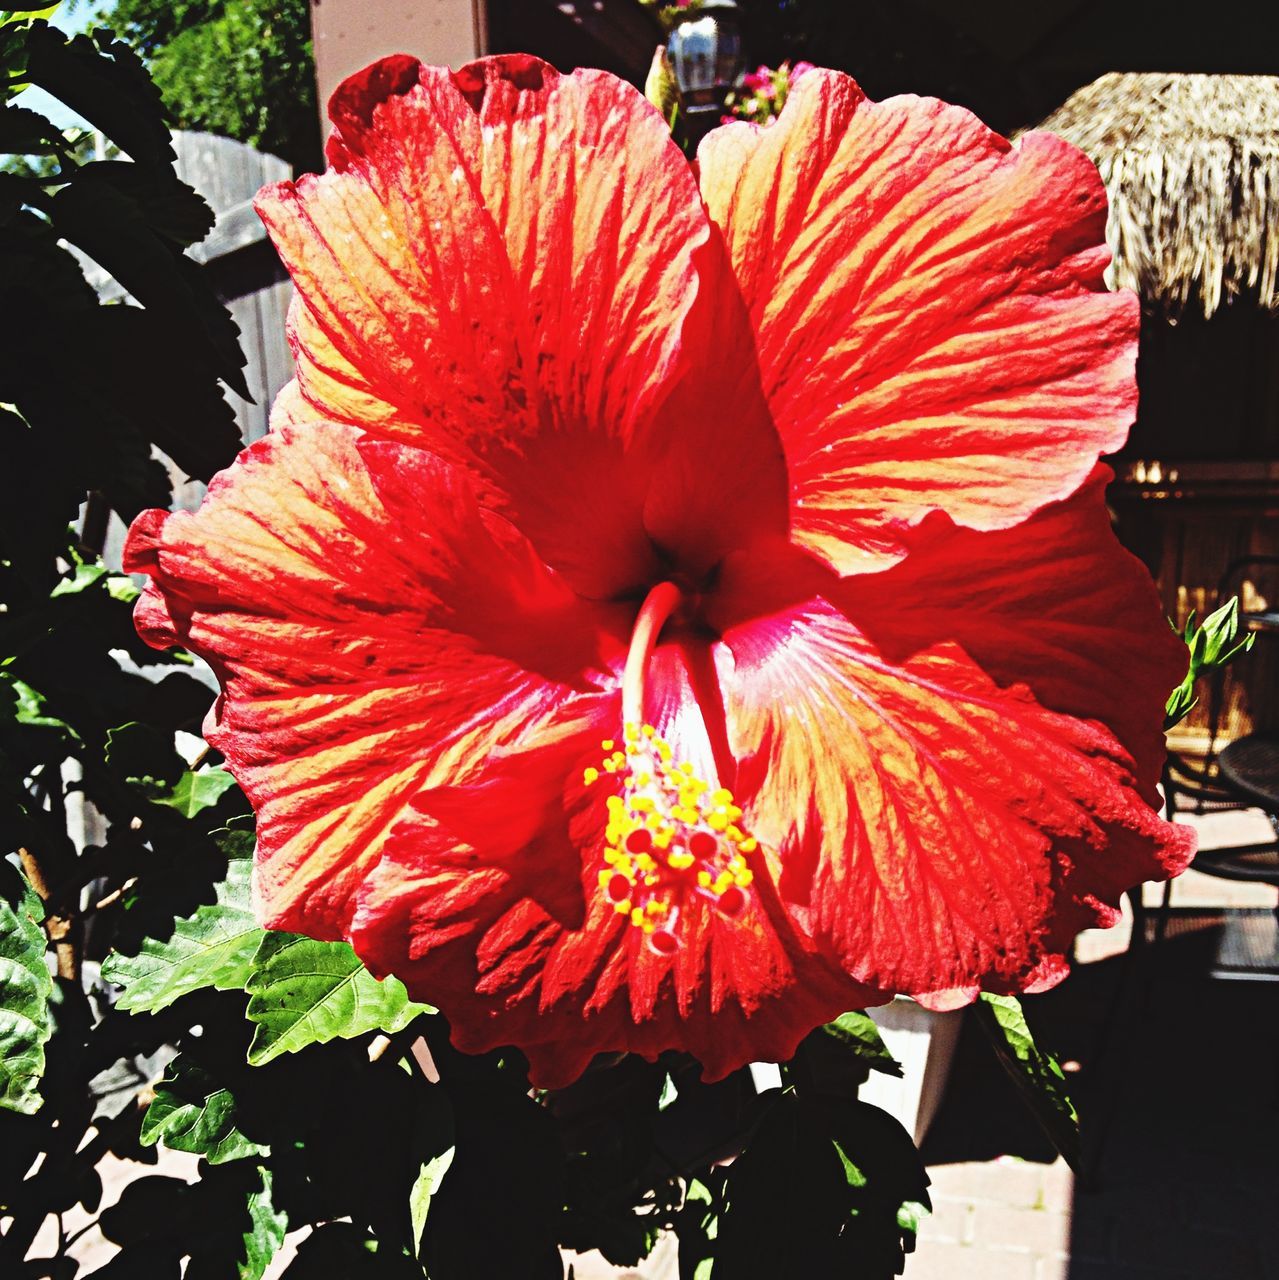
point(349, 34)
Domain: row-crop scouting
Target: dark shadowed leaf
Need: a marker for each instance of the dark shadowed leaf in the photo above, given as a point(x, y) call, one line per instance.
point(507, 1168)
point(340, 1251)
point(24, 132)
point(1036, 1074)
point(111, 226)
point(825, 1187)
point(144, 757)
point(105, 82)
point(168, 206)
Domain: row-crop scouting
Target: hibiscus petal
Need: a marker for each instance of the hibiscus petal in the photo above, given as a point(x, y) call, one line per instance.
point(473, 907)
point(500, 265)
point(928, 300)
point(1055, 604)
point(932, 827)
point(375, 634)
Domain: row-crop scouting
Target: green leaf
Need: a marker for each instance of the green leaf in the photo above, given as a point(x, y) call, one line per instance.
point(214, 947)
point(195, 792)
point(435, 1139)
point(266, 1232)
point(697, 1228)
point(84, 577)
point(307, 992)
point(424, 1187)
point(1035, 1073)
point(191, 1111)
point(25, 989)
point(860, 1034)
point(148, 761)
point(30, 709)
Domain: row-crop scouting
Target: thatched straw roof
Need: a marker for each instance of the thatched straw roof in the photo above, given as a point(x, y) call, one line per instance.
point(1191, 163)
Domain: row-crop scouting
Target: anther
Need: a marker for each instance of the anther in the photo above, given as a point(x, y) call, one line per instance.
point(672, 836)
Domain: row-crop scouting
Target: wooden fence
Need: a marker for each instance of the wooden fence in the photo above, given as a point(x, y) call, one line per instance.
point(246, 275)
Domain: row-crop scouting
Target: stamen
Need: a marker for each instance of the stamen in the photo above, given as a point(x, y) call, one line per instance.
point(671, 834)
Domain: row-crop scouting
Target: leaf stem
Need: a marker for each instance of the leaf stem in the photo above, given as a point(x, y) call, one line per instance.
point(61, 921)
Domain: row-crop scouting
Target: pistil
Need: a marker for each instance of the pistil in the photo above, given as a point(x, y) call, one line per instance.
point(672, 836)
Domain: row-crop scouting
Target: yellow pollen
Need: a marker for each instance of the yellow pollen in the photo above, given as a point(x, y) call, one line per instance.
point(672, 839)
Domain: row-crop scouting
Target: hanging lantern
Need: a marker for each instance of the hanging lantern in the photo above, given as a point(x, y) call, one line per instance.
point(705, 51)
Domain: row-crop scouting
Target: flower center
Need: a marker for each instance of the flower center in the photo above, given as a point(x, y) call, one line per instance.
point(672, 835)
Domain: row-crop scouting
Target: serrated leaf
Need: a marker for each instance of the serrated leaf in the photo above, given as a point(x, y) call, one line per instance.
point(1036, 1074)
point(192, 1112)
point(859, 1033)
point(30, 708)
point(195, 792)
point(25, 132)
point(104, 81)
point(25, 989)
point(266, 1233)
point(84, 577)
point(307, 992)
point(214, 947)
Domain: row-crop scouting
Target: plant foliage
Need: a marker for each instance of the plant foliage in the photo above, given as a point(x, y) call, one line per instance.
point(240, 68)
point(142, 1006)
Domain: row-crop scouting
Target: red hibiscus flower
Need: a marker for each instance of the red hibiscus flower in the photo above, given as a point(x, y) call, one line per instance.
point(677, 605)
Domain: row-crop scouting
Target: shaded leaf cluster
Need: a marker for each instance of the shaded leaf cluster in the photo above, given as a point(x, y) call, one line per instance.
point(242, 69)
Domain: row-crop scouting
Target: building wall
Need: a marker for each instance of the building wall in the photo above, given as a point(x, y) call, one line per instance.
point(349, 34)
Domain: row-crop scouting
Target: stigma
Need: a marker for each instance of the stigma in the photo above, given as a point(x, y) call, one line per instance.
point(673, 836)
